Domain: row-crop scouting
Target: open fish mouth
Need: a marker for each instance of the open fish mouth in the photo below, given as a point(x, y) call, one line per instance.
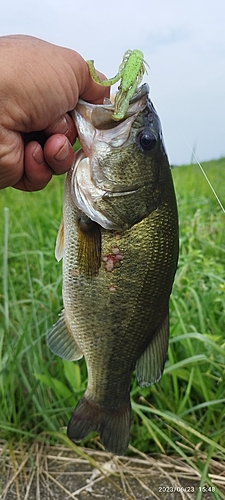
point(100, 115)
point(100, 178)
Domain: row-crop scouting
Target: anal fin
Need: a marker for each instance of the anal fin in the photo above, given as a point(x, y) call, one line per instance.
point(61, 341)
point(150, 365)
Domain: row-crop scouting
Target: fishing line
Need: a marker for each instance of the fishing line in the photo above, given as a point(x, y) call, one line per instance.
point(191, 149)
point(201, 168)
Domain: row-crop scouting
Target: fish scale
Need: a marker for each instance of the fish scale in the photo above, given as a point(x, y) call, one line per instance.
point(116, 282)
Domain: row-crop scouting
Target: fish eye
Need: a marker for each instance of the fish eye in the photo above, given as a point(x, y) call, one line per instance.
point(147, 140)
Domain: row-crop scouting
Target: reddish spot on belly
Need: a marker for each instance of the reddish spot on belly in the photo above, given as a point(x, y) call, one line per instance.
point(111, 260)
point(112, 288)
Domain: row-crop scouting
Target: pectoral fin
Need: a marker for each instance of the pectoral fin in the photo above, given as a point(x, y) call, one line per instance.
point(59, 247)
point(61, 341)
point(89, 247)
point(150, 365)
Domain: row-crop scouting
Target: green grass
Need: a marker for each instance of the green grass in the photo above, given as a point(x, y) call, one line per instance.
point(184, 413)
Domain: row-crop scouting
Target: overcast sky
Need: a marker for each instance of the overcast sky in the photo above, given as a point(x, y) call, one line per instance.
point(183, 43)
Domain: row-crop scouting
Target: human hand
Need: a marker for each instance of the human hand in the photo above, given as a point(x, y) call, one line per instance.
point(39, 84)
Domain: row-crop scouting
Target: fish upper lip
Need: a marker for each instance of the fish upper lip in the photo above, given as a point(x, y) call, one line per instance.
point(100, 115)
point(141, 92)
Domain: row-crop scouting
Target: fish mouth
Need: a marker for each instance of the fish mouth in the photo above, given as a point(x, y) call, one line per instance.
point(100, 115)
point(98, 132)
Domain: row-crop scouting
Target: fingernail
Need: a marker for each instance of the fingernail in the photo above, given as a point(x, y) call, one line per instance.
point(63, 152)
point(61, 126)
point(38, 155)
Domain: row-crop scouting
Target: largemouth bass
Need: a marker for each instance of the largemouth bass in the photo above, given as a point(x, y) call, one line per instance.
point(119, 243)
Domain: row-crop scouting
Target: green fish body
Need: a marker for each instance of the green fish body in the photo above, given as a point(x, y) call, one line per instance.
point(119, 243)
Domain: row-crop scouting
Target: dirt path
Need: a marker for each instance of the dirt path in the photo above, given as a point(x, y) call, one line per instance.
point(46, 473)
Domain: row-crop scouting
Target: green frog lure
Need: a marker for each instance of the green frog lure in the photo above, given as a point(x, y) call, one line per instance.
point(130, 74)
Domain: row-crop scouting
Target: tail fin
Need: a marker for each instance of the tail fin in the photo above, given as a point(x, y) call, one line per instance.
point(113, 426)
